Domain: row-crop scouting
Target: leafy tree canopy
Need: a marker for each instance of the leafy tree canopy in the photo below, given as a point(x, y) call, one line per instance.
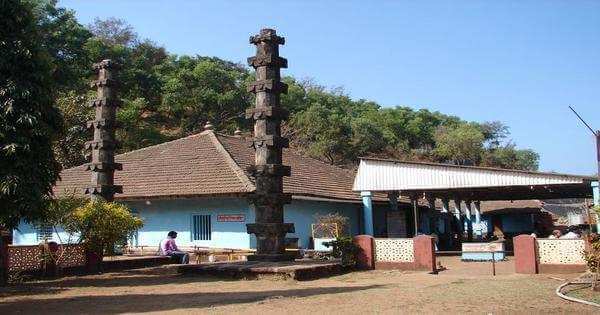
point(168, 96)
point(28, 119)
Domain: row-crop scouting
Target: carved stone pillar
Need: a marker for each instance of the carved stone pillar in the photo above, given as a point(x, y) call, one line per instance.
point(268, 170)
point(103, 145)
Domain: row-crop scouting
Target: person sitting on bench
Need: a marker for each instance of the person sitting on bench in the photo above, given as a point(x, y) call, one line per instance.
point(169, 248)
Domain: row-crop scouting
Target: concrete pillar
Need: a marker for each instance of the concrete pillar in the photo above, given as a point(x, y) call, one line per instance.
point(367, 200)
point(424, 253)
point(596, 192)
point(457, 209)
point(468, 226)
point(525, 254)
point(365, 258)
point(415, 205)
point(445, 205)
point(446, 222)
point(393, 197)
point(477, 211)
point(432, 216)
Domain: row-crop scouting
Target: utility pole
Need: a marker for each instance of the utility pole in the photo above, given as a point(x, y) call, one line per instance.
point(595, 185)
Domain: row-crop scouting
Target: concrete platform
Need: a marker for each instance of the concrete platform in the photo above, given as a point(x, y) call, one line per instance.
point(298, 270)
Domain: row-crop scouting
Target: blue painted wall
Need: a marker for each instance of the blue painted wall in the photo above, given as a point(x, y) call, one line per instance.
point(162, 216)
point(26, 234)
point(302, 214)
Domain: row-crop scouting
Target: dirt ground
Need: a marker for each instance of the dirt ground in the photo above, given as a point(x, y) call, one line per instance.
point(463, 288)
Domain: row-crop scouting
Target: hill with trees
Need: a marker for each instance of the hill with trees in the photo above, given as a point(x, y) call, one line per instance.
point(167, 96)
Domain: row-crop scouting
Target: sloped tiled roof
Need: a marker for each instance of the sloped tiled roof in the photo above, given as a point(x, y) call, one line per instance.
point(190, 166)
point(210, 164)
point(310, 177)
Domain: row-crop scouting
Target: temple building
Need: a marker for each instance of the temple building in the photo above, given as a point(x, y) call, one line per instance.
point(199, 186)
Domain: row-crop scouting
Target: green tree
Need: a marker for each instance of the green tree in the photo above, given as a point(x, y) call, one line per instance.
point(64, 40)
point(69, 147)
point(322, 132)
point(460, 145)
point(494, 132)
point(28, 119)
point(197, 89)
point(114, 31)
point(167, 96)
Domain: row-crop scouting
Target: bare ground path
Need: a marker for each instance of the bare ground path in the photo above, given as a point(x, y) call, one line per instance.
point(162, 290)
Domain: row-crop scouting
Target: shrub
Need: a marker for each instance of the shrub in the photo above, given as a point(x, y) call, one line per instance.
point(344, 248)
point(331, 225)
point(102, 225)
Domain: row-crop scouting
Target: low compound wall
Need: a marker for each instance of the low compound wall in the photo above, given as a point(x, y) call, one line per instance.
point(560, 256)
point(32, 261)
point(396, 253)
point(548, 255)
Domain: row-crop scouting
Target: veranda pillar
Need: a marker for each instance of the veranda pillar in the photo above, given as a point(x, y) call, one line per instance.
point(268, 169)
point(103, 145)
point(478, 228)
point(468, 226)
point(367, 200)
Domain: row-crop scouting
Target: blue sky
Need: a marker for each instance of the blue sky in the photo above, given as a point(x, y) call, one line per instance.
point(519, 62)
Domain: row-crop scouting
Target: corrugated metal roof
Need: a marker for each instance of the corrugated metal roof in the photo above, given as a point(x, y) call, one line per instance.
point(391, 175)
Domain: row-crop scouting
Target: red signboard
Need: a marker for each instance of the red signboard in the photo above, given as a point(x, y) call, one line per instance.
point(231, 218)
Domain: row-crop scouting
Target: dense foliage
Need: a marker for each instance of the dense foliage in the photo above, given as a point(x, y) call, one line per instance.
point(28, 119)
point(101, 225)
point(344, 249)
point(167, 96)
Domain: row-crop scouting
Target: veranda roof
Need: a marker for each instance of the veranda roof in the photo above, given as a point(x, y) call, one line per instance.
point(466, 182)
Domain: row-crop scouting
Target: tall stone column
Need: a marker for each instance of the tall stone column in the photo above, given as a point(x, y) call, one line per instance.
point(268, 170)
point(103, 145)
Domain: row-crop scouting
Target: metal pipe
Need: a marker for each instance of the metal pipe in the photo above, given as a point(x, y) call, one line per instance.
point(493, 264)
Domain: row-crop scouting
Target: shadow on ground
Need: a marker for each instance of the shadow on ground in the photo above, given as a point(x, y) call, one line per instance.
point(109, 304)
point(130, 278)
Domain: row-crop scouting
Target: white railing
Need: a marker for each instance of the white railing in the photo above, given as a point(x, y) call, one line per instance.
point(394, 250)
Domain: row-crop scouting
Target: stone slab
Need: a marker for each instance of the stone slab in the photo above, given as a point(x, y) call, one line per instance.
point(250, 270)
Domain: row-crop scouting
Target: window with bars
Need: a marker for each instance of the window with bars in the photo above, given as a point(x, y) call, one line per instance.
point(44, 232)
point(202, 227)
